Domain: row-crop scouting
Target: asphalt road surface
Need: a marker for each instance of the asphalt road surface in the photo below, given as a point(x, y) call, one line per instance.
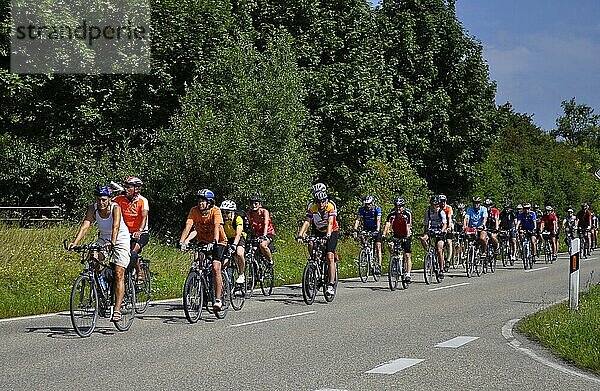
point(456, 335)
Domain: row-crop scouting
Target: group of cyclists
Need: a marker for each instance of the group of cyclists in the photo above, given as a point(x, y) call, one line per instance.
point(123, 229)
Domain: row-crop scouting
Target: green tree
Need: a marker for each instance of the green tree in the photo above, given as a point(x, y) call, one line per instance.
point(578, 125)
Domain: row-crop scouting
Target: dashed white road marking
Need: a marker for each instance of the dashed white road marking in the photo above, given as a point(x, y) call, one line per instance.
point(448, 286)
point(271, 319)
point(535, 270)
point(456, 342)
point(513, 342)
point(394, 366)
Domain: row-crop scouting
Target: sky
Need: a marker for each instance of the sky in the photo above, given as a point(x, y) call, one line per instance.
point(540, 52)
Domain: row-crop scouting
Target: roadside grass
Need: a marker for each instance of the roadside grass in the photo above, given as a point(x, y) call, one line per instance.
point(37, 273)
point(571, 335)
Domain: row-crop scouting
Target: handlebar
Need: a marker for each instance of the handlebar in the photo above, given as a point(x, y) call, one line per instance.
point(199, 247)
point(86, 247)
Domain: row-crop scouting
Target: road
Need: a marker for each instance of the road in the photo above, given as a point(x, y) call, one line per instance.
point(279, 343)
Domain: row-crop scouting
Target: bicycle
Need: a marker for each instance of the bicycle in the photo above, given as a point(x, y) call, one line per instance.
point(237, 293)
point(396, 268)
point(431, 260)
point(527, 255)
point(258, 269)
point(366, 261)
point(92, 294)
point(473, 261)
point(460, 250)
point(316, 272)
point(585, 243)
point(490, 258)
point(199, 289)
point(505, 248)
point(548, 254)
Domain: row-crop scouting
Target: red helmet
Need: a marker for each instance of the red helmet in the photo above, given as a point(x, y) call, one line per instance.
point(133, 181)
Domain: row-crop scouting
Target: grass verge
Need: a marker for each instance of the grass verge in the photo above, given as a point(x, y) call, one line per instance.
point(37, 273)
point(571, 335)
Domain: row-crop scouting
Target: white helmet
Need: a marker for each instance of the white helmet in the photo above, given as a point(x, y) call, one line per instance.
point(228, 205)
point(317, 187)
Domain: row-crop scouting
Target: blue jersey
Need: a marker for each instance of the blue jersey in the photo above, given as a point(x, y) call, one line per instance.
point(476, 216)
point(527, 220)
point(369, 216)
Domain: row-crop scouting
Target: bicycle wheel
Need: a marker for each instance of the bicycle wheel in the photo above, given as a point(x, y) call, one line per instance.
point(267, 279)
point(547, 253)
point(456, 255)
point(363, 264)
point(436, 268)
point(526, 251)
point(142, 292)
point(193, 296)
point(477, 264)
point(238, 291)
point(127, 305)
point(393, 272)
point(250, 276)
point(491, 259)
point(470, 260)
point(309, 283)
point(428, 268)
point(329, 298)
point(225, 296)
point(84, 306)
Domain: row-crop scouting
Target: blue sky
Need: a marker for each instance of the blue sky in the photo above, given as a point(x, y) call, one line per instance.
point(540, 52)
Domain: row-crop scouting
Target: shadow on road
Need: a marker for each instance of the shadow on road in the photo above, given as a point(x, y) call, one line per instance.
point(67, 332)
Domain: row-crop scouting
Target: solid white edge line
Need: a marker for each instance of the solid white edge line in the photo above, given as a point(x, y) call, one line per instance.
point(515, 344)
point(535, 270)
point(271, 319)
point(448, 286)
point(34, 316)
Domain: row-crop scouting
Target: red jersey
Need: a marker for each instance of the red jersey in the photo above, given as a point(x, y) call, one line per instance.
point(256, 218)
point(400, 223)
point(549, 221)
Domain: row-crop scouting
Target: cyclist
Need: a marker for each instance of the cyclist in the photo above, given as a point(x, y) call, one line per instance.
point(527, 221)
point(492, 223)
point(370, 215)
point(113, 235)
point(206, 218)
point(594, 231)
point(476, 218)
point(584, 222)
point(435, 222)
point(261, 226)
point(459, 219)
point(450, 228)
point(549, 223)
point(400, 222)
point(538, 217)
point(508, 221)
point(135, 208)
point(233, 225)
point(568, 224)
point(322, 218)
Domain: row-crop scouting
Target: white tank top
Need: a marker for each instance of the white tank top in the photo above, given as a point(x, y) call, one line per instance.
point(105, 226)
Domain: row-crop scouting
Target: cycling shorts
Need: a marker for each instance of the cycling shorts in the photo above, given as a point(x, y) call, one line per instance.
point(406, 245)
point(241, 243)
point(376, 238)
point(142, 241)
point(331, 243)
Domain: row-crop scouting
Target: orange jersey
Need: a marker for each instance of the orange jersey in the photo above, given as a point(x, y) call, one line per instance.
point(205, 225)
point(132, 212)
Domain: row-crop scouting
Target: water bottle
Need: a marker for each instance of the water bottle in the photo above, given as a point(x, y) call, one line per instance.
point(103, 283)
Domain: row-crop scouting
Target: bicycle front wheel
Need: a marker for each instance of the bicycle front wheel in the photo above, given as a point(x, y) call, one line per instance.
point(329, 298)
point(428, 268)
point(127, 305)
point(471, 254)
point(193, 297)
point(267, 279)
point(393, 273)
point(142, 291)
point(309, 284)
point(238, 291)
point(363, 264)
point(84, 306)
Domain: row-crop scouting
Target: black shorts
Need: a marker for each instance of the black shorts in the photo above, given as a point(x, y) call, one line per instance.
point(405, 244)
point(377, 238)
point(331, 243)
point(142, 241)
point(242, 241)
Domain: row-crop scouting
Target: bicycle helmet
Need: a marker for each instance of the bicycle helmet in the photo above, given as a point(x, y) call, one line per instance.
point(536, 206)
point(507, 205)
point(255, 198)
point(519, 206)
point(369, 200)
point(319, 187)
point(585, 205)
point(206, 194)
point(442, 197)
point(133, 181)
point(228, 205)
point(103, 191)
point(476, 199)
point(488, 202)
point(570, 210)
point(526, 205)
point(434, 200)
point(549, 208)
point(399, 201)
point(461, 206)
point(320, 196)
